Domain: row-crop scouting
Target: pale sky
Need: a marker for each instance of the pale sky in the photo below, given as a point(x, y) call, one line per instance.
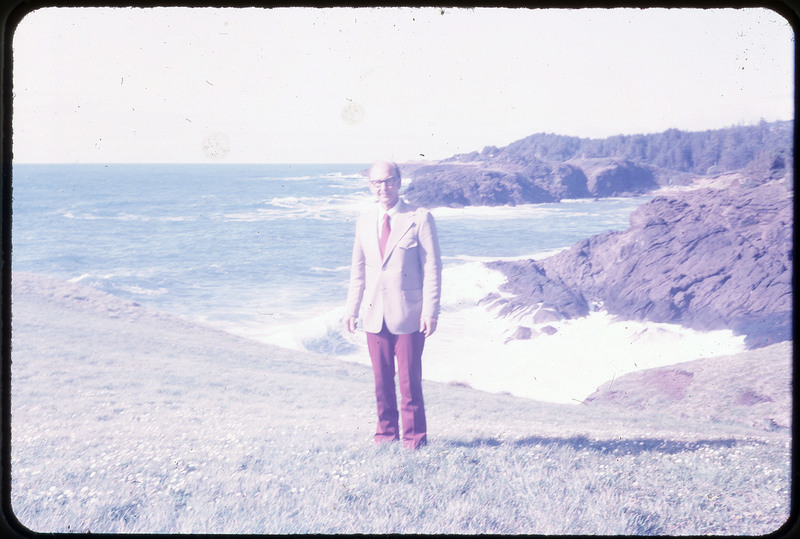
point(352, 85)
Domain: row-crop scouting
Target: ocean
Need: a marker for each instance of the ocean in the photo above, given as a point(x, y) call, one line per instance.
point(263, 251)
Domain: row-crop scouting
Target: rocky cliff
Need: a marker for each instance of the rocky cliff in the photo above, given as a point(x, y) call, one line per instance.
point(547, 168)
point(532, 181)
point(705, 259)
point(473, 184)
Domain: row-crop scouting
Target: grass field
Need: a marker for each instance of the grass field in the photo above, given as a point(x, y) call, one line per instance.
point(127, 420)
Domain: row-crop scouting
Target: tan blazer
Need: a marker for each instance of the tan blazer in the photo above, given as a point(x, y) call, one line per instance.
point(405, 285)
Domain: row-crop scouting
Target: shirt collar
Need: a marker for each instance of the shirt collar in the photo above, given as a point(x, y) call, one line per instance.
point(392, 211)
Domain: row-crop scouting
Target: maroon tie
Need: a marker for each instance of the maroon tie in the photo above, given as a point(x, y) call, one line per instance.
point(384, 233)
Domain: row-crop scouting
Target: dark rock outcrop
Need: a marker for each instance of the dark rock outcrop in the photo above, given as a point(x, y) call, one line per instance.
point(533, 290)
point(522, 333)
point(457, 184)
point(564, 181)
point(706, 259)
point(527, 181)
point(616, 177)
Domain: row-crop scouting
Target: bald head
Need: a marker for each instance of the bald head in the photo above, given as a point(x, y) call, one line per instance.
point(381, 170)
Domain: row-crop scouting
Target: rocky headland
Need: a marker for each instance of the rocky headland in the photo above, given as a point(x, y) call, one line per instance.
point(547, 168)
point(494, 183)
point(704, 258)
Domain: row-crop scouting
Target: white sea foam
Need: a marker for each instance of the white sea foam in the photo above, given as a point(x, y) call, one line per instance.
point(320, 331)
point(343, 176)
point(314, 177)
point(528, 211)
point(83, 216)
point(98, 277)
point(292, 202)
point(490, 212)
point(127, 217)
point(465, 285)
point(337, 207)
point(140, 291)
point(474, 346)
point(540, 255)
point(80, 278)
point(176, 219)
point(99, 280)
point(340, 269)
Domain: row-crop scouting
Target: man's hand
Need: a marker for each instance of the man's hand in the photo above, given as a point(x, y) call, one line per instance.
point(350, 324)
point(428, 326)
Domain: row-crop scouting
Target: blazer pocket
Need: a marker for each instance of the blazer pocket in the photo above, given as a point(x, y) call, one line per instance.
point(407, 243)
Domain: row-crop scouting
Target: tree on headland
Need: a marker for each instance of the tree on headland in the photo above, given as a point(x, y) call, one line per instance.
point(630, 164)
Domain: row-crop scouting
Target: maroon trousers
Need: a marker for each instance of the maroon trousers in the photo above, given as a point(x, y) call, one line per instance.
point(384, 347)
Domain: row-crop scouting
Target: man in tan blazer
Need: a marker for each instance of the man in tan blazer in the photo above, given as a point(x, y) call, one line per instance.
point(396, 273)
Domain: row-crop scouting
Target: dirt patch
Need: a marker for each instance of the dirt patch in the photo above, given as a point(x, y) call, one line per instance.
point(749, 398)
point(670, 383)
point(753, 388)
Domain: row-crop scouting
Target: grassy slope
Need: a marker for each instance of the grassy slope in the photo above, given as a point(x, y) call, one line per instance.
point(126, 420)
point(754, 389)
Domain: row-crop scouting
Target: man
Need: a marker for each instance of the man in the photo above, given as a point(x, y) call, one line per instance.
point(397, 271)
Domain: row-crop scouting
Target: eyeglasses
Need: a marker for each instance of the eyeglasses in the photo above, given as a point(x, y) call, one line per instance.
point(376, 183)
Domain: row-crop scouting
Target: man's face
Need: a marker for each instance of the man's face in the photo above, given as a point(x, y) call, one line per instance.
point(385, 187)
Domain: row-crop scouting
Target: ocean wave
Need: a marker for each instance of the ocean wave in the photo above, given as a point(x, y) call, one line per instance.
point(294, 202)
point(85, 217)
point(319, 331)
point(176, 219)
point(81, 277)
point(101, 277)
point(340, 269)
point(566, 209)
point(313, 177)
point(539, 255)
point(338, 201)
point(342, 176)
point(502, 213)
point(286, 178)
point(141, 291)
point(122, 216)
point(332, 208)
point(116, 281)
point(466, 284)
point(492, 212)
point(593, 200)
